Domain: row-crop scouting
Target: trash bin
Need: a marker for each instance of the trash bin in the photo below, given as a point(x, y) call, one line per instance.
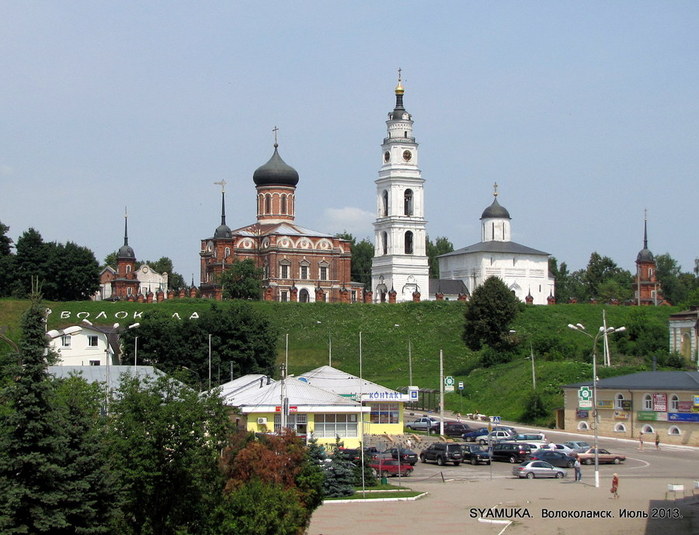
point(384, 480)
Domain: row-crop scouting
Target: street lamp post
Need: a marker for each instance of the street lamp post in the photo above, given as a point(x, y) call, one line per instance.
point(595, 416)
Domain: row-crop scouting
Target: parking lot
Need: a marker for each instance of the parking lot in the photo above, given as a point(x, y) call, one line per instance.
point(489, 500)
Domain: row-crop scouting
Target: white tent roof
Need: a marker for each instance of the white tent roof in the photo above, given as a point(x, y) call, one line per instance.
point(342, 383)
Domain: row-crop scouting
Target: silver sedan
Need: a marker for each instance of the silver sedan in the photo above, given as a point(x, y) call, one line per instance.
point(532, 469)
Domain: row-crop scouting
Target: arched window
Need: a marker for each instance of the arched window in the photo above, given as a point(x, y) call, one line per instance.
point(647, 402)
point(620, 428)
point(582, 426)
point(268, 204)
point(674, 403)
point(648, 429)
point(384, 203)
point(619, 401)
point(674, 430)
point(384, 242)
point(303, 296)
point(408, 242)
point(283, 204)
point(128, 268)
point(408, 202)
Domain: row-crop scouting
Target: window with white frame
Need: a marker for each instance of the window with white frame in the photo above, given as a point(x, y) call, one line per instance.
point(647, 429)
point(647, 402)
point(284, 295)
point(674, 403)
point(94, 363)
point(92, 341)
point(294, 421)
point(620, 428)
point(65, 341)
point(674, 430)
point(284, 270)
point(304, 272)
point(619, 401)
point(583, 426)
point(335, 425)
point(323, 272)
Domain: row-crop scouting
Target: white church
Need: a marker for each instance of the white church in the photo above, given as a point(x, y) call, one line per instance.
point(400, 269)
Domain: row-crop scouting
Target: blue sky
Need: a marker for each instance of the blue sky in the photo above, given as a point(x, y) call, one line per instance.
point(584, 113)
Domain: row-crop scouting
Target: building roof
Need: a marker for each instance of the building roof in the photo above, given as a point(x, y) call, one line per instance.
point(447, 286)
point(260, 396)
point(284, 228)
point(508, 247)
point(104, 374)
point(342, 383)
point(495, 211)
point(651, 381)
point(275, 172)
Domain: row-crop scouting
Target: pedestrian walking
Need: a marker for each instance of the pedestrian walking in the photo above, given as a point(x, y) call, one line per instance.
point(615, 486)
point(657, 441)
point(578, 470)
point(640, 441)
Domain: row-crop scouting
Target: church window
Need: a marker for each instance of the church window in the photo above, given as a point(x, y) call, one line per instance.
point(384, 205)
point(284, 204)
point(284, 296)
point(303, 296)
point(408, 242)
point(284, 271)
point(323, 273)
point(128, 268)
point(384, 243)
point(304, 272)
point(227, 252)
point(408, 202)
point(405, 133)
point(268, 204)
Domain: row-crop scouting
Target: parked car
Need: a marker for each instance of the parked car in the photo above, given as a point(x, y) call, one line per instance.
point(496, 436)
point(390, 467)
point(588, 456)
point(578, 446)
point(532, 469)
point(455, 429)
point(406, 455)
point(355, 454)
point(562, 448)
point(532, 438)
point(556, 458)
point(475, 454)
point(473, 436)
point(426, 423)
point(514, 452)
point(442, 453)
point(509, 429)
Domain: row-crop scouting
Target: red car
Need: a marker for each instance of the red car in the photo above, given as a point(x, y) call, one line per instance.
point(390, 467)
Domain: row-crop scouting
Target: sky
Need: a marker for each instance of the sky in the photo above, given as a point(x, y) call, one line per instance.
point(584, 113)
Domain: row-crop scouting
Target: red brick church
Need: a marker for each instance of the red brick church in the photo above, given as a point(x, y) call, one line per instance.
point(298, 264)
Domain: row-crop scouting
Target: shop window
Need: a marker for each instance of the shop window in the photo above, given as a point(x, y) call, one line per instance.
point(385, 413)
point(335, 425)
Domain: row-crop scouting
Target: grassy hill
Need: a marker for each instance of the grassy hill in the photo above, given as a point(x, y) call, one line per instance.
point(388, 330)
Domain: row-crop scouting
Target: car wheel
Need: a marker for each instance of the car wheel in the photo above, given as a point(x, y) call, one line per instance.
point(530, 475)
point(474, 461)
point(440, 461)
point(617, 460)
point(588, 461)
point(559, 475)
point(513, 460)
point(457, 463)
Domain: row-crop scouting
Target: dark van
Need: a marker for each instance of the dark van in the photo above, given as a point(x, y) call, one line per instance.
point(511, 451)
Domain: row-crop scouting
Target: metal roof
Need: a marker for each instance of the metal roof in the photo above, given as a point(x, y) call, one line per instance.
point(495, 247)
point(665, 380)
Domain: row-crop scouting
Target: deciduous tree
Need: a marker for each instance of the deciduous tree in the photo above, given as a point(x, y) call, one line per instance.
point(488, 316)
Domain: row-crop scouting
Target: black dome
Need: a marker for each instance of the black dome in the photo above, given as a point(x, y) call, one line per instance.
point(223, 231)
point(644, 255)
point(275, 172)
point(495, 211)
point(125, 251)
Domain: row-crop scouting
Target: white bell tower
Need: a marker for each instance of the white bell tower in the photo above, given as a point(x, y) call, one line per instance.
point(400, 256)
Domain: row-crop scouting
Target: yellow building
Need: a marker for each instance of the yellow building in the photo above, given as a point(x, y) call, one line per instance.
point(665, 402)
point(323, 404)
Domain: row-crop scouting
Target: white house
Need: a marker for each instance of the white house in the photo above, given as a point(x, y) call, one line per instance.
point(85, 345)
point(524, 270)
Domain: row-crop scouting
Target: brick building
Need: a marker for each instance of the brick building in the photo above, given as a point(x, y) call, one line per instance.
point(299, 264)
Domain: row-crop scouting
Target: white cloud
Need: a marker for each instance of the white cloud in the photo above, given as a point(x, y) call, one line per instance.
point(350, 219)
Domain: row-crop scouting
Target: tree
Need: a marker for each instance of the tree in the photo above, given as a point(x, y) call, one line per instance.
point(242, 280)
point(53, 479)
point(675, 285)
point(6, 261)
point(488, 316)
point(441, 246)
point(166, 440)
point(568, 285)
point(362, 255)
point(242, 340)
point(72, 272)
point(602, 269)
point(30, 261)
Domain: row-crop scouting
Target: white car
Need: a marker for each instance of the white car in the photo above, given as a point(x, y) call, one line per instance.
point(562, 448)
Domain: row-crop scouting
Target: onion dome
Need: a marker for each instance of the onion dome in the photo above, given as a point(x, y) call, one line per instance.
point(399, 111)
point(275, 172)
point(644, 255)
point(495, 211)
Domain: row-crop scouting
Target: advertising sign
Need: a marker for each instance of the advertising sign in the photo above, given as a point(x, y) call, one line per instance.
point(604, 404)
point(683, 417)
point(621, 415)
point(626, 404)
point(646, 416)
point(685, 406)
point(413, 393)
point(582, 414)
point(660, 402)
point(585, 397)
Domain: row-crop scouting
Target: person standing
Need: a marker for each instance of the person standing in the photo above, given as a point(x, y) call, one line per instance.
point(640, 441)
point(657, 441)
point(578, 470)
point(615, 486)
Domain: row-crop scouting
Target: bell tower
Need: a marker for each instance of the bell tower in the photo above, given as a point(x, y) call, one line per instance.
point(400, 257)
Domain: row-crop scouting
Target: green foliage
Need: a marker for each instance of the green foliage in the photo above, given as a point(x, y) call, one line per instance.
point(242, 339)
point(441, 246)
point(165, 440)
point(534, 408)
point(242, 280)
point(362, 254)
point(489, 313)
point(489, 357)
